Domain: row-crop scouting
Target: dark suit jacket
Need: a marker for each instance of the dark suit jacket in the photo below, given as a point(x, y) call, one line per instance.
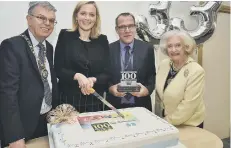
point(143, 63)
point(21, 88)
point(72, 56)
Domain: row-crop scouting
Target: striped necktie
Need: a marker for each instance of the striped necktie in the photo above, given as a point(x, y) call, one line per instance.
point(128, 98)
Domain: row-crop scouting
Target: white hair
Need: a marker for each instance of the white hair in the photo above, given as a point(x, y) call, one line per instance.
point(44, 4)
point(187, 40)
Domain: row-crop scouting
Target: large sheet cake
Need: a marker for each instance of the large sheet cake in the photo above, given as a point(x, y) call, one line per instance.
point(139, 128)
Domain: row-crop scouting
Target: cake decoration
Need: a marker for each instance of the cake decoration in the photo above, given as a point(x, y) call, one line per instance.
point(64, 113)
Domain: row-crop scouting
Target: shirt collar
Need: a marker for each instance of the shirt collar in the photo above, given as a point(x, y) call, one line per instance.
point(34, 41)
point(122, 45)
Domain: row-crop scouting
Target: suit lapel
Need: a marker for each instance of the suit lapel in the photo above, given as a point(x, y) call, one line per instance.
point(137, 52)
point(50, 60)
point(30, 53)
point(163, 76)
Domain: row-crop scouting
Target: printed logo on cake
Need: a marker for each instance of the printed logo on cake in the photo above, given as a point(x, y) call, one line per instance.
point(89, 119)
point(101, 127)
point(111, 118)
point(86, 121)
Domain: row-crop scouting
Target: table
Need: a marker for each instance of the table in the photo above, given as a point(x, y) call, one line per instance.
point(190, 137)
point(194, 137)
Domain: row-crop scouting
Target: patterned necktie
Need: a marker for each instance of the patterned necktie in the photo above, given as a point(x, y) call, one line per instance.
point(128, 98)
point(44, 73)
point(127, 59)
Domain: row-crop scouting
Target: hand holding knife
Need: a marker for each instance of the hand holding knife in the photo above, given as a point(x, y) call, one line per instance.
point(92, 91)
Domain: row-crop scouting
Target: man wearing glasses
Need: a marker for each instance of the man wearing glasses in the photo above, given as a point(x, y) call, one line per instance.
point(28, 86)
point(130, 54)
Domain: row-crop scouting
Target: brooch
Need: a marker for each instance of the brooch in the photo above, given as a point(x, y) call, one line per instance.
point(186, 72)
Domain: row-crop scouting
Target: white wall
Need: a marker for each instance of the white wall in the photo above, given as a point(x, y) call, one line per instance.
point(215, 57)
point(13, 17)
point(216, 62)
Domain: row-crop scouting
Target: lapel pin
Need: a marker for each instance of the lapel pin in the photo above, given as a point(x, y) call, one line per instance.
point(186, 72)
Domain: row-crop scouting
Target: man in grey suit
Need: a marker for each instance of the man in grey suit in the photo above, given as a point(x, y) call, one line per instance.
point(130, 54)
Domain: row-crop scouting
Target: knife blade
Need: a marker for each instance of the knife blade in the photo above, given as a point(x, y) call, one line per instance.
point(106, 102)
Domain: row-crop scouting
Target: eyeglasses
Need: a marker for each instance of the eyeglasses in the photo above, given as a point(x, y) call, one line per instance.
point(129, 27)
point(44, 19)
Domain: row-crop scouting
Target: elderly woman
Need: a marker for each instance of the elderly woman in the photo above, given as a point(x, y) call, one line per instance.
point(180, 82)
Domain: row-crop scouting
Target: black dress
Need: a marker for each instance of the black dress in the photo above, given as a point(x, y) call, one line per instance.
point(72, 55)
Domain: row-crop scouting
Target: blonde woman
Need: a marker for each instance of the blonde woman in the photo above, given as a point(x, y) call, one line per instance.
point(180, 82)
point(81, 58)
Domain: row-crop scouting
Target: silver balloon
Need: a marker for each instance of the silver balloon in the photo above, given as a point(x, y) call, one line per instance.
point(160, 12)
point(207, 17)
point(205, 14)
point(143, 30)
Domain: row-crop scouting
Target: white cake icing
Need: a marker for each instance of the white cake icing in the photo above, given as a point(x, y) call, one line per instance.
point(140, 128)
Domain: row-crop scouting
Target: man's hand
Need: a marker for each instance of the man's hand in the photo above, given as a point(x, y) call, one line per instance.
point(18, 144)
point(142, 93)
point(113, 91)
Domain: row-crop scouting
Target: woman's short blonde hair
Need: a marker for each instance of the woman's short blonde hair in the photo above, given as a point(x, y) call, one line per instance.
point(95, 31)
point(186, 38)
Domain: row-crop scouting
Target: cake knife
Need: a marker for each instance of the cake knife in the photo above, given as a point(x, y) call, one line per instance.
point(92, 91)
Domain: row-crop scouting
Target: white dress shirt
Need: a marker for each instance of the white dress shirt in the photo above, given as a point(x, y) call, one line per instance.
point(44, 108)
